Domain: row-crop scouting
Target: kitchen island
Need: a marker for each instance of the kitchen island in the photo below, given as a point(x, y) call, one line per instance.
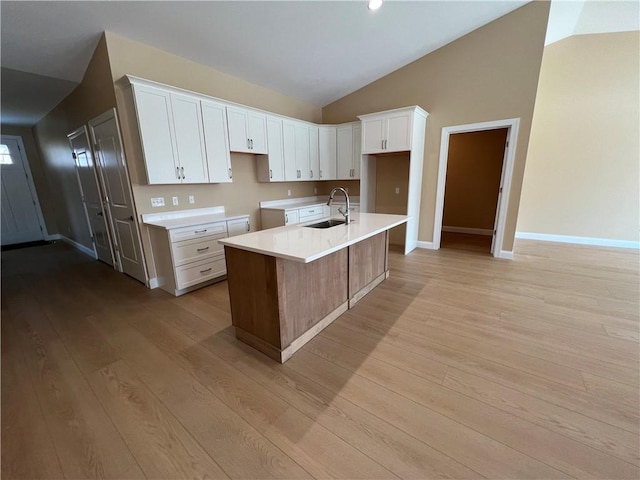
point(286, 284)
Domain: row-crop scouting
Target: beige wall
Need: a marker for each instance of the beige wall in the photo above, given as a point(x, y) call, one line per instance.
point(92, 97)
point(392, 171)
point(582, 170)
point(39, 174)
point(489, 74)
point(474, 168)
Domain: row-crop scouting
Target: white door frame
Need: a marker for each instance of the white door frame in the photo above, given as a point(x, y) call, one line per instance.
point(32, 186)
point(513, 125)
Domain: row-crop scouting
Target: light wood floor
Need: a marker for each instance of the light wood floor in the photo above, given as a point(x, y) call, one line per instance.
point(457, 366)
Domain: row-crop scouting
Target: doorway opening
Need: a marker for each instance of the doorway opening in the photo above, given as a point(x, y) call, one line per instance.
point(22, 219)
point(474, 180)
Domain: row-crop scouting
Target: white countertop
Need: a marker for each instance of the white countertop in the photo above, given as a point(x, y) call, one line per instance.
point(188, 218)
point(304, 244)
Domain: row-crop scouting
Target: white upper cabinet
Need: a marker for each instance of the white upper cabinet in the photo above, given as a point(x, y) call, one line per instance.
point(387, 132)
point(155, 121)
point(314, 152)
point(214, 121)
point(271, 167)
point(172, 136)
point(247, 130)
point(348, 158)
point(327, 150)
point(187, 121)
point(298, 140)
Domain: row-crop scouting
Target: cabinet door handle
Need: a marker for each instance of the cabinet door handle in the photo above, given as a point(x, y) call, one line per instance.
point(230, 176)
point(182, 169)
point(205, 270)
point(248, 146)
point(178, 172)
point(270, 173)
point(286, 218)
point(311, 173)
point(202, 249)
point(200, 231)
point(248, 226)
point(320, 174)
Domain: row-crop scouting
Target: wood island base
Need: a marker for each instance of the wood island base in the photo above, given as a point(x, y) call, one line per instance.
point(278, 305)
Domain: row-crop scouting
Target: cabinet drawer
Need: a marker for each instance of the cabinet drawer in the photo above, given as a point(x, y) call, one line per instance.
point(191, 250)
point(198, 272)
point(187, 233)
point(309, 213)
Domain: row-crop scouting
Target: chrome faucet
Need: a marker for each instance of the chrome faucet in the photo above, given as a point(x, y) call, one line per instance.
point(346, 214)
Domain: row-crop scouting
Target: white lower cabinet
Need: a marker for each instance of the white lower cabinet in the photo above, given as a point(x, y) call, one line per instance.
point(190, 257)
point(278, 217)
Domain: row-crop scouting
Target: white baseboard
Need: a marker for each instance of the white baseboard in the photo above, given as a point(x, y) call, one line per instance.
point(471, 231)
point(153, 283)
point(51, 238)
point(600, 242)
point(79, 246)
point(427, 245)
point(506, 254)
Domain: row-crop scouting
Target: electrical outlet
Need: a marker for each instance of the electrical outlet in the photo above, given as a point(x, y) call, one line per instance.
point(289, 192)
point(157, 202)
point(192, 199)
point(175, 200)
point(397, 190)
point(346, 189)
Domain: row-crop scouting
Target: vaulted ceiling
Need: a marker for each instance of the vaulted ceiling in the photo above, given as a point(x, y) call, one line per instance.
point(317, 51)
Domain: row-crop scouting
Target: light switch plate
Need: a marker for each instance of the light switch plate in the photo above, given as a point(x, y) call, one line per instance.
point(157, 202)
point(289, 192)
point(175, 200)
point(397, 190)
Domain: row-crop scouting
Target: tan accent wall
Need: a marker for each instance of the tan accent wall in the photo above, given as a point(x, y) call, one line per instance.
point(39, 174)
point(392, 171)
point(583, 165)
point(474, 168)
point(92, 97)
point(489, 74)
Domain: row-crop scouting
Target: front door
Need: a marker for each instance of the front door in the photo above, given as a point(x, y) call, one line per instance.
point(91, 198)
point(20, 220)
point(112, 170)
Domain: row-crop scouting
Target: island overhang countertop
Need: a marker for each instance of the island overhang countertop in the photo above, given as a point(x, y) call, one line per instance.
point(304, 244)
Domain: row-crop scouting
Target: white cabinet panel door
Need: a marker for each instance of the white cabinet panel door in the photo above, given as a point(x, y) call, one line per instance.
point(153, 107)
point(314, 153)
point(374, 134)
point(276, 149)
point(214, 121)
point(257, 127)
point(187, 121)
point(303, 164)
point(398, 138)
point(289, 147)
point(357, 150)
point(345, 152)
point(327, 147)
point(237, 125)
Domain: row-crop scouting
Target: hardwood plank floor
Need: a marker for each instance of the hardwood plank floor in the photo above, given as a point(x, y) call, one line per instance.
point(457, 366)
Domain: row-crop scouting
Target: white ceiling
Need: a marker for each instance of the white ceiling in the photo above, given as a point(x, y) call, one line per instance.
point(316, 51)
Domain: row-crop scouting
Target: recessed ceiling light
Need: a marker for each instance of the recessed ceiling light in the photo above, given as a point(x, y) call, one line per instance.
point(375, 4)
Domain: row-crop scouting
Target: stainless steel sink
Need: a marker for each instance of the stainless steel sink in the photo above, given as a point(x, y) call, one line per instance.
point(326, 224)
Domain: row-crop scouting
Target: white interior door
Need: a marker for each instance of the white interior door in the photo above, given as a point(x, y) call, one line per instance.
point(91, 196)
point(21, 221)
point(112, 170)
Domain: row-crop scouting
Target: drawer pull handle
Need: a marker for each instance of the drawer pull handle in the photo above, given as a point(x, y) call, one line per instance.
point(205, 270)
point(202, 249)
point(200, 231)
point(248, 227)
point(230, 175)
